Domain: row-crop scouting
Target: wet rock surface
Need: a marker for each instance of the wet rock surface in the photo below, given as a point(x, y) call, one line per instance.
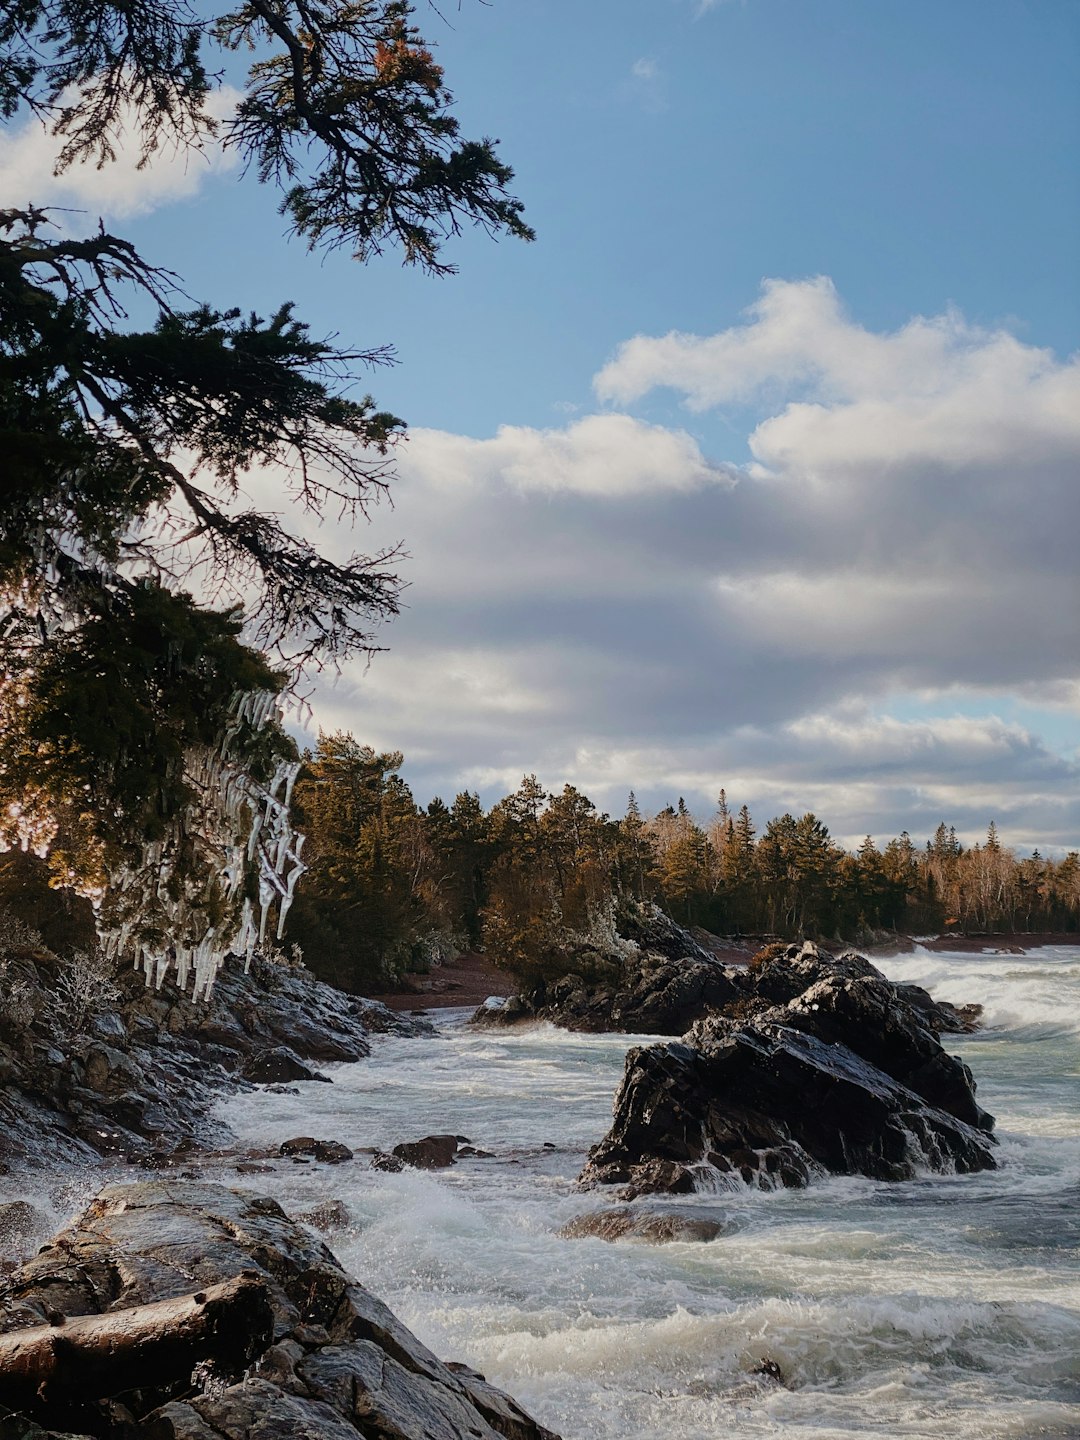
point(653, 1227)
point(824, 1066)
point(330, 1152)
point(334, 1361)
point(663, 982)
point(791, 970)
point(433, 1152)
point(137, 1081)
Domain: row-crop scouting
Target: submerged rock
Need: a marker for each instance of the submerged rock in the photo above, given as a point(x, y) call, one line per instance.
point(330, 1152)
point(433, 1152)
point(655, 1227)
point(276, 1066)
point(330, 1215)
point(843, 1078)
point(335, 1362)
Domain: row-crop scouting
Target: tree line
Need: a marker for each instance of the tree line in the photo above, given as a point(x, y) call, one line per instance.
point(541, 881)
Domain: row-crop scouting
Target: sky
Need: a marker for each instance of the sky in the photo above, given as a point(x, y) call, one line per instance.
point(760, 468)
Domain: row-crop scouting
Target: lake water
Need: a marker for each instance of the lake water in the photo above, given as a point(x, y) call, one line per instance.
point(941, 1307)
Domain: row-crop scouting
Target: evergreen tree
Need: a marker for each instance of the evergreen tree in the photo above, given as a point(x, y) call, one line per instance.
point(542, 882)
point(634, 852)
point(125, 449)
point(361, 915)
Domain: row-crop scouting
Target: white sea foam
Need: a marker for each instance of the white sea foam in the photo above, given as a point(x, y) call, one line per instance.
point(943, 1308)
point(1040, 990)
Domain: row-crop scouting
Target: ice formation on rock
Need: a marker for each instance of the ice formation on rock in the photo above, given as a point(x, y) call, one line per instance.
point(242, 832)
point(205, 888)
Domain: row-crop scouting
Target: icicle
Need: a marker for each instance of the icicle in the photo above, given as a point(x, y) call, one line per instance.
point(244, 827)
point(294, 771)
point(266, 896)
point(183, 955)
point(248, 936)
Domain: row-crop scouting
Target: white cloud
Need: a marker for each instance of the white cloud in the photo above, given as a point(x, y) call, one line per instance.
point(602, 603)
point(800, 339)
point(647, 85)
point(119, 189)
point(601, 455)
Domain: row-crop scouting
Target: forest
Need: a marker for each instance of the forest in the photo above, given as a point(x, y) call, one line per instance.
point(538, 880)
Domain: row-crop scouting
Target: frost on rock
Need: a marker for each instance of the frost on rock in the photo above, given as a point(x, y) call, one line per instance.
point(168, 911)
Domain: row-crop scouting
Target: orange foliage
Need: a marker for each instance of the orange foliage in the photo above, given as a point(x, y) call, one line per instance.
point(400, 61)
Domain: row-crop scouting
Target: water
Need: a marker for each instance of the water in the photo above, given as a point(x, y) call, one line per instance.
point(943, 1307)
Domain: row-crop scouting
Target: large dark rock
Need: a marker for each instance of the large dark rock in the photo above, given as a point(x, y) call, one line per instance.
point(844, 1078)
point(339, 1365)
point(276, 1066)
point(789, 971)
point(876, 1020)
point(330, 1152)
point(659, 983)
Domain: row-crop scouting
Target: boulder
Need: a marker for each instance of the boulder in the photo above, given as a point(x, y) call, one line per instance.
point(433, 1152)
point(660, 982)
point(654, 1227)
point(842, 1076)
point(330, 1152)
point(330, 1215)
point(323, 1356)
point(276, 1066)
point(787, 971)
point(790, 970)
point(383, 1160)
point(876, 1020)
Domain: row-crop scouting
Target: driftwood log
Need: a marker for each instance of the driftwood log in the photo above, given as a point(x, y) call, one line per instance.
point(94, 1357)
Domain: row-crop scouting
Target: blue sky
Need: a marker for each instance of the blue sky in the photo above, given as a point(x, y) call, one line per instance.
point(820, 551)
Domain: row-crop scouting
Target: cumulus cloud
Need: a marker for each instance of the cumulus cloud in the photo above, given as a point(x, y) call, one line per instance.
point(604, 603)
point(602, 455)
point(799, 336)
point(119, 189)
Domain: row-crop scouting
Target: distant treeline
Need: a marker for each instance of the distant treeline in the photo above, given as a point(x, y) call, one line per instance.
point(537, 881)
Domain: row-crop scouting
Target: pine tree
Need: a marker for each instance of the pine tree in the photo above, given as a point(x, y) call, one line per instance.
point(124, 450)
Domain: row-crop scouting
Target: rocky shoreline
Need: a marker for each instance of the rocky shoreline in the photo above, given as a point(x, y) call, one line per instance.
point(135, 1080)
point(173, 1308)
point(181, 1311)
point(798, 1063)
